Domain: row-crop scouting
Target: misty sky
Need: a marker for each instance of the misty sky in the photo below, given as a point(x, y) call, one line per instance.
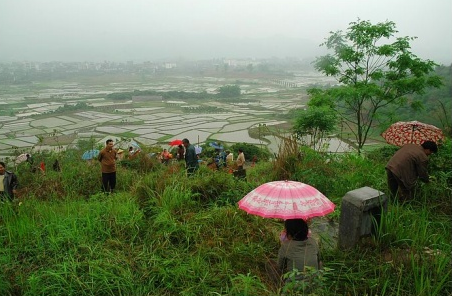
point(151, 30)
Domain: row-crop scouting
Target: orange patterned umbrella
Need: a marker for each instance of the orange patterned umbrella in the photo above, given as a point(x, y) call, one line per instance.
point(404, 132)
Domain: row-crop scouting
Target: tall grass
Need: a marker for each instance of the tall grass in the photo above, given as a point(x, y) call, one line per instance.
point(164, 233)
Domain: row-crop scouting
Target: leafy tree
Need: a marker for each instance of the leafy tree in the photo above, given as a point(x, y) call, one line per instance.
point(88, 144)
point(437, 103)
point(315, 122)
point(120, 96)
point(373, 73)
point(229, 91)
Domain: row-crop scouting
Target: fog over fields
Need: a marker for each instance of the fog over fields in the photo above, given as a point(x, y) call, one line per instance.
point(139, 30)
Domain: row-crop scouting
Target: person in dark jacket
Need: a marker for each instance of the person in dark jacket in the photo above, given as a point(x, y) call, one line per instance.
point(408, 165)
point(191, 159)
point(56, 166)
point(8, 183)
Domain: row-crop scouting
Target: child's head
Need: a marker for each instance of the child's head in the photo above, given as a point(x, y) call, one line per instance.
point(297, 229)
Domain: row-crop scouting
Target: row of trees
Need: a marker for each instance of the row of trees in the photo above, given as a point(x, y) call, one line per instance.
point(226, 91)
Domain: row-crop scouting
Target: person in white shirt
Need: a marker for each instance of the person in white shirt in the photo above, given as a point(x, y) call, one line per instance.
point(240, 160)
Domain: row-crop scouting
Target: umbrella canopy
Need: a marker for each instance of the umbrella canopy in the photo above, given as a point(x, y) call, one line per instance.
point(23, 157)
point(198, 149)
point(286, 200)
point(176, 142)
point(90, 154)
point(134, 145)
point(216, 145)
point(404, 132)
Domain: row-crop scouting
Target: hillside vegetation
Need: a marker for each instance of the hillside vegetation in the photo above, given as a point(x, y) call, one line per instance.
point(163, 233)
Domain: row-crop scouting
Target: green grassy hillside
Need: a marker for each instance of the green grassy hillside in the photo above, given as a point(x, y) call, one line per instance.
point(163, 233)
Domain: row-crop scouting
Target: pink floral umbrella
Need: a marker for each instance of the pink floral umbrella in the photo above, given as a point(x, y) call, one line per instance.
point(404, 132)
point(286, 200)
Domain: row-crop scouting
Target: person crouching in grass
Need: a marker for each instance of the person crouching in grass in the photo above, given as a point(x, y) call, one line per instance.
point(298, 257)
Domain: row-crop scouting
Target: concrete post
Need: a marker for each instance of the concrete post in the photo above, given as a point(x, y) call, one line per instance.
point(358, 209)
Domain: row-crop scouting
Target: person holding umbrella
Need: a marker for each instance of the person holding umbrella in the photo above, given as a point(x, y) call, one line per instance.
point(107, 158)
point(191, 160)
point(296, 203)
point(407, 165)
point(298, 251)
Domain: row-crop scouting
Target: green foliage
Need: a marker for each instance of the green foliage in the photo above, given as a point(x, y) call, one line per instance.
point(440, 170)
point(315, 282)
point(436, 104)
point(66, 239)
point(286, 163)
point(88, 144)
point(69, 108)
point(372, 74)
point(317, 123)
point(250, 151)
point(119, 96)
point(164, 233)
point(229, 91)
point(247, 285)
point(181, 95)
point(211, 187)
point(203, 109)
point(142, 163)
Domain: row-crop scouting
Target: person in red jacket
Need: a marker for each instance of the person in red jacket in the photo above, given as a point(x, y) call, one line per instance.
point(165, 156)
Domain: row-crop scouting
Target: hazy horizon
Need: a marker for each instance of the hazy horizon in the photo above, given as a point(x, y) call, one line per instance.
point(140, 30)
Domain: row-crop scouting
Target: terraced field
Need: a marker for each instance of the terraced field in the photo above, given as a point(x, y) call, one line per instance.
point(151, 122)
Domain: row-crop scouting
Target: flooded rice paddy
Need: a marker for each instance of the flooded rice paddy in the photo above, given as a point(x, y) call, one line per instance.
point(151, 122)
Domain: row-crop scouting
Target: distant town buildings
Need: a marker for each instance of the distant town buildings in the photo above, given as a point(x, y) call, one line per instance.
point(28, 71)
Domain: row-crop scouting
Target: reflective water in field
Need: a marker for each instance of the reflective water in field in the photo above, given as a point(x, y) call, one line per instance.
point(152, 122)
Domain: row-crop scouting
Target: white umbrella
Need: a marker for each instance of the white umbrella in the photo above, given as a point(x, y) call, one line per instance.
point(23, 157)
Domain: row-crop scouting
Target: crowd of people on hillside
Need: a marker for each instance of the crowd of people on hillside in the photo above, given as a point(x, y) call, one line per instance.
point(408, 165)
point(185, 152)
point(191, 155)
